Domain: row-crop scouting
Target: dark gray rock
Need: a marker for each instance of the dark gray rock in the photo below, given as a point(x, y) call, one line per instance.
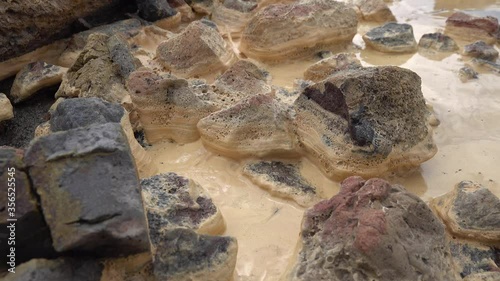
point(438, 42)
point(121, 56)
point(153, 10)
point(473, 258)
point(185, 255)
point(244, 6)
point(372, 231)
point(481, 50)
point(392, 38)
point(89, 190)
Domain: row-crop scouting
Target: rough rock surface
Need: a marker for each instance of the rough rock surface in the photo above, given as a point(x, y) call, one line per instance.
point(391, 38)
point(438, 42)
point(153, 10)
point(485, 276)
point(367, 122)
point(233, 15)
point(372, 231)
point(32, 235)
point(374, 10)
point(470, 211)
point(328, 66)
point(467, 73)
point(282, 180)
point(33, 77)
point(481, 50)
point(100, 70)
point(198, 49)
point(472, 258)
point(471, 28)
point(173, 201)
point(63, 269)
point(89, 191)
point(283, 31)
point(6, 109)
point(185, 255)
point(257, 126)
point(168, 107)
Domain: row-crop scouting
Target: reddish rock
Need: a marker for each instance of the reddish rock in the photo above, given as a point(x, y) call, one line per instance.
point(460, 19)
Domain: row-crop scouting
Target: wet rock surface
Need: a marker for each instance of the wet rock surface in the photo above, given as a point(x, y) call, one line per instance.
point(185, 255)
point(6, 109)
point(372, 231)
point(330, 65)
point(438, 42)
point(90, 169)
point(392, 38)
point(481, 50)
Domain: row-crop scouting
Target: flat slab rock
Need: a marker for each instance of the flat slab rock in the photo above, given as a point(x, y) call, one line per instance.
point(392, 38)
point(184, 255)
point(372, 231)
point(282, 180)
point(470, 211)
point(89, 190)
point(173, 201)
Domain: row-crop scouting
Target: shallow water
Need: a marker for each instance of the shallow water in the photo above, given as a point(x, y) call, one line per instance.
point(468, 140)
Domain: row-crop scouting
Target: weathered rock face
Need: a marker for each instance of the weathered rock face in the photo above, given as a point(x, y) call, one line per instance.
point(6, 109)
point(233, 15)
point(366, 122)
point(485, 276)
point(184, 255)
point(282, 180)
point(62, 269)
point(372, 231)
point(472, 258)
point(33, 77)
point(391, 38)
point(438, 42)
point(481, 50)
point(89, 191)
point(168, 107)
point(198, 49)
point(470, 211)
point(328, 66)
point(32, 235)
point(100, 70)
point(257, 126)
point(153, 10)
point(283, 31)
point(374, 10)
point(471, 28)
point(173, 201)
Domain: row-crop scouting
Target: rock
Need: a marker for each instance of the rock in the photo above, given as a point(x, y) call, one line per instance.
point(372, 231)
point(173, 201)
point(368, 122)
point(202, 6)
point(89, 191)
point(282, 180)
point(481, 50)
point(100, 70)
point(153, 10)
point(62, 269)
point(485, 276)
point(437, 42)
point(391, 38)
point(472, 258)
point(328, 66)
point(33, 77)
point(374, 10)
point(467, 73)
point(233, 15)
point(495, 67)
point(257, 126)
point(132, 268)
point(198, 49)
point(471, 28)
point(284, 31)
point(32, 235)
point(6, 109)
point(185, 255)
point(168, 108)
point(470, 211)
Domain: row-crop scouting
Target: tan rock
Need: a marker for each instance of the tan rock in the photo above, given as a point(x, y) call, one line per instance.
point(374, 10)
point(6, 109)
point(328, 66)
point(233, 15)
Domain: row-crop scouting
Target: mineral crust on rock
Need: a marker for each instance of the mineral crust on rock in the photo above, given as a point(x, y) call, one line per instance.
point(328, 66)
point(438, 42)
point(6, 109)
point(372, 231)
point(391, 38)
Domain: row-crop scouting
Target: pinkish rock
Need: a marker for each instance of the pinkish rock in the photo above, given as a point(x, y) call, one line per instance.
point(471, 28)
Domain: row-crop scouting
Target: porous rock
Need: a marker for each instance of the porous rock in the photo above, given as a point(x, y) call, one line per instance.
point(472, 28)
point(174, 201)
point(283, 180)
point(184, 255)
point(6, 109)
point(198, 49)
point(391, 38)
point(283, 31)
point(470, 211)
point(437, 42)
point(153, 10)
point(373, 231)
point(374, 10)
point(368, 122)
point(33, 77)
point(89, 190)
point(481, 50)
point(328, 66)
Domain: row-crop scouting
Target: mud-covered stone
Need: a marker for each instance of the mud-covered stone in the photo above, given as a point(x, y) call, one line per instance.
point(153, 10)
point(328, 66)
point(6, 109)
point(472, 258)
point(89, 190)
point(392, 38)
point(185, 255)
point(173, 201)
point(437, 42)
point(481, 50)
point(374, 231)
point(34, 77)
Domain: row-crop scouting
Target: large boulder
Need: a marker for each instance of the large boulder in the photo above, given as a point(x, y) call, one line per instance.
point(282, 31)
point(6, 109)
point(373, 231)
point(391, 38)
point(89, 190)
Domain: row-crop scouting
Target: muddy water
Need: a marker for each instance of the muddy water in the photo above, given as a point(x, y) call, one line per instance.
point(468, 140)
